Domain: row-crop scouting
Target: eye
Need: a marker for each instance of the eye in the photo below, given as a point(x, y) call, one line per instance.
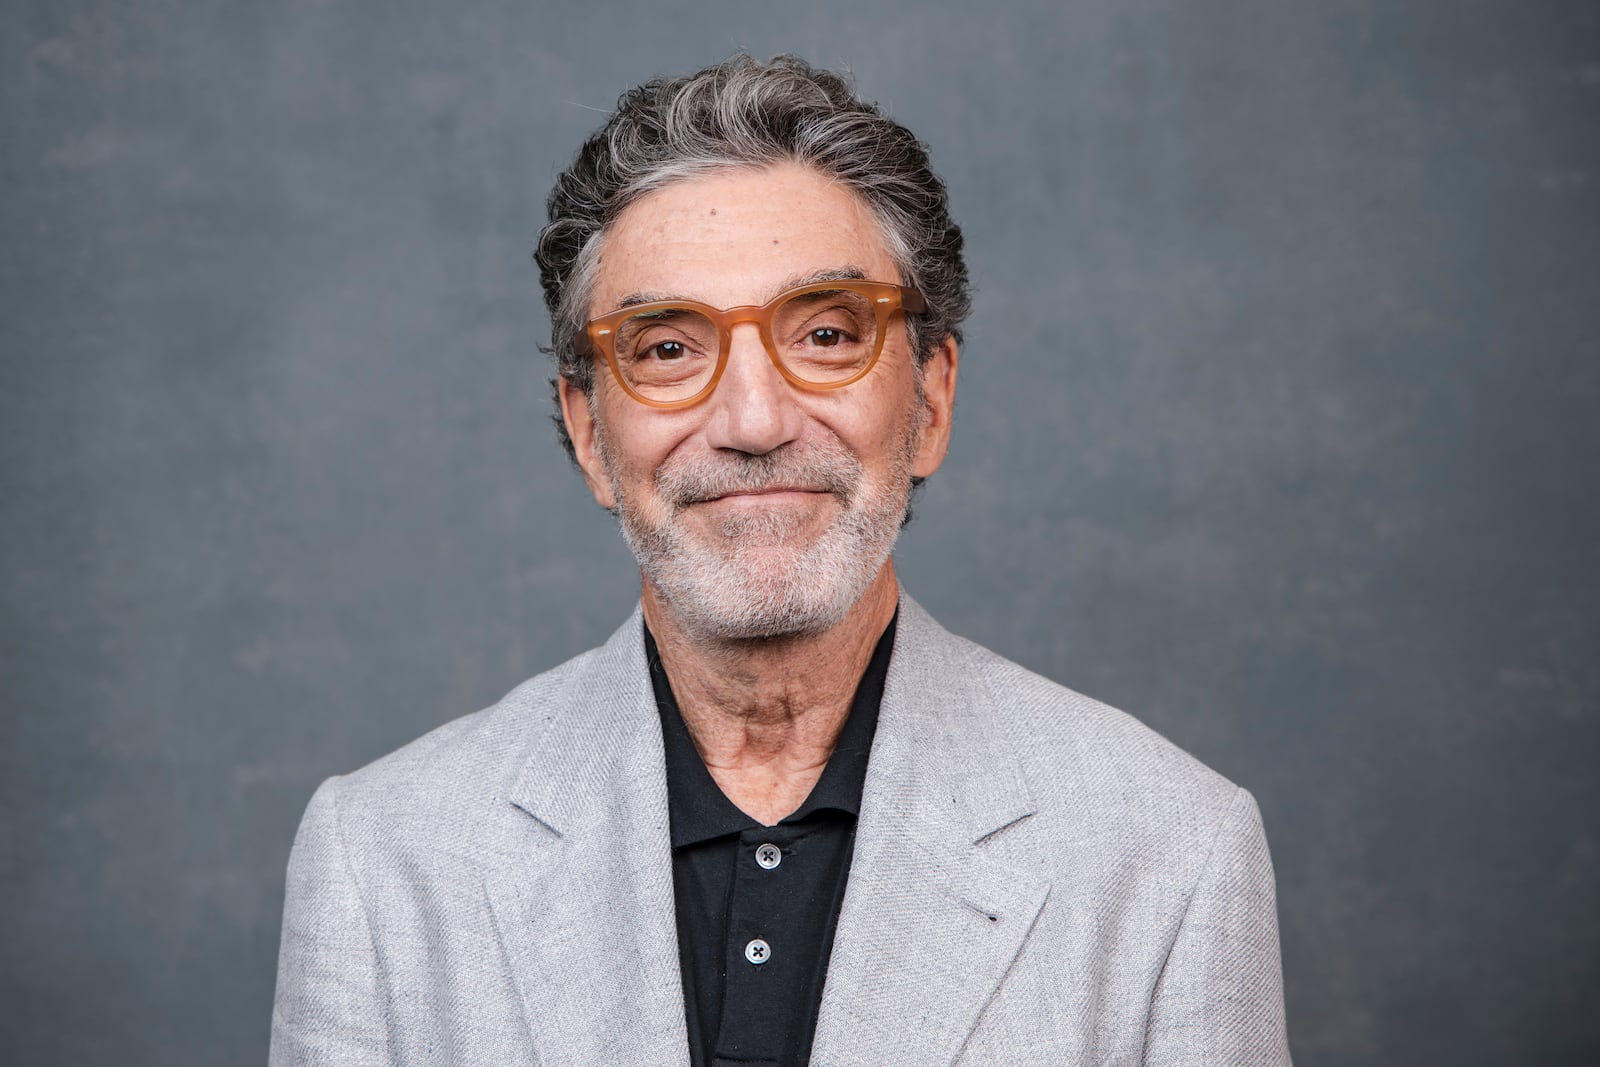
point(665, 351)
point(826, 336)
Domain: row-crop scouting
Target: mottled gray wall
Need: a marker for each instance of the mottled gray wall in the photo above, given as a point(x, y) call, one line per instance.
point(1277, 428)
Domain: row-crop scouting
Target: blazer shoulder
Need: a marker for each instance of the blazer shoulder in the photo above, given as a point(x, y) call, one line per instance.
point(459, 768)
point(1081, 751)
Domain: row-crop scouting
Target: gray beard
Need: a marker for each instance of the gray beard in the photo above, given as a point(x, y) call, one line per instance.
point(755, 575)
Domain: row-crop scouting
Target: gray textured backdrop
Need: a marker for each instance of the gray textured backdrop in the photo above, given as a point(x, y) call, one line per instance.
point(1277, 428)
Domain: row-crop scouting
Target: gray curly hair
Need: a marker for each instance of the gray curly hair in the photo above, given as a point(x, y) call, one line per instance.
point(743, 113)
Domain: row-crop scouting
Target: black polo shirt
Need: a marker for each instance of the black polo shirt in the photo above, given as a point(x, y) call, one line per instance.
point(757, 905)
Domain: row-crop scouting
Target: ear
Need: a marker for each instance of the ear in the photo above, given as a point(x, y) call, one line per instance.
point(578, 416)
point(938, 404)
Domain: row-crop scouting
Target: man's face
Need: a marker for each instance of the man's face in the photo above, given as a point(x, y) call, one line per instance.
point(765, 509)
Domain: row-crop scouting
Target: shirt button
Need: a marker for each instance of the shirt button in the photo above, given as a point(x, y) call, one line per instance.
point(757, 951)
point(769, 856)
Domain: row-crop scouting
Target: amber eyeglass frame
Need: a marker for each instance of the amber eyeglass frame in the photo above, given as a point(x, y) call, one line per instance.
point(886, 297)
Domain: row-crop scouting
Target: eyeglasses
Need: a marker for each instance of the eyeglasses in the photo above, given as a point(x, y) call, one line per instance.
point(826, 335)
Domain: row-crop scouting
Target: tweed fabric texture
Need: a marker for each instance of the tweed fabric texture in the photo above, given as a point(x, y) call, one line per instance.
point(1038, 879)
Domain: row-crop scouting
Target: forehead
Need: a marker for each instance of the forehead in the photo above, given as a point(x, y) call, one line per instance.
point(738, 236)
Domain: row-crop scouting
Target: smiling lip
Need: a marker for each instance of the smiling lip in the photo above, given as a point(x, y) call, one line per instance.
point(774, 491)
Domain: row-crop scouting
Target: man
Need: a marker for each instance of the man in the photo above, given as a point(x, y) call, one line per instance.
point(781, 816)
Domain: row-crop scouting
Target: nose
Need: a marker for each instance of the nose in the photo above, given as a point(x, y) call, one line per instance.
point(753, 408)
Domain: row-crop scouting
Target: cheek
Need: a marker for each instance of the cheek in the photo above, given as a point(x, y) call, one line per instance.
point(634, 450)
point(883, 426)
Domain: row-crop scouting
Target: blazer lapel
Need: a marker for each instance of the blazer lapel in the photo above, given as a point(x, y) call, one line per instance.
point(586, 917)
point(930, 924)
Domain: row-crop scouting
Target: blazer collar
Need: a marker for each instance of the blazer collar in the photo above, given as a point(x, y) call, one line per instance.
point(930, 922)
point(587, 920)
point(929, 925)
point(599, 743)
point(936, 726)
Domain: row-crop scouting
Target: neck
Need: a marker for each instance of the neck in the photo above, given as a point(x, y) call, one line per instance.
point(765, 714)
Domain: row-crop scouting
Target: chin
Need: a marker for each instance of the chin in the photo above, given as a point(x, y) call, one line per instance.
point(763, 593)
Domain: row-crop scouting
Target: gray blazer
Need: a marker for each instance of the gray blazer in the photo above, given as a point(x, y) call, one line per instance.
point(1038, 879)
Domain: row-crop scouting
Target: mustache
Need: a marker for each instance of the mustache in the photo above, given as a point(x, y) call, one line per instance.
point(822, 468)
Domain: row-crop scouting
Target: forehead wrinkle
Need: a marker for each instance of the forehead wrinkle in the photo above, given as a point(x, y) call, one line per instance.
point(794, 281)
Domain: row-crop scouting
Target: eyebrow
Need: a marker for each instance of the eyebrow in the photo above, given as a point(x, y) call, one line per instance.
point(794, 281)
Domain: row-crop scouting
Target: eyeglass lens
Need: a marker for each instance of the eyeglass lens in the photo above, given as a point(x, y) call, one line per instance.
point(669, 354)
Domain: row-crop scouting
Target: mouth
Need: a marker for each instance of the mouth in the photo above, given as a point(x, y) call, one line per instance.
point(770, 495)
point(768, 490)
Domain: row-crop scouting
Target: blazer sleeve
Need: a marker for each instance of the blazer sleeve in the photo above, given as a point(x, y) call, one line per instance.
point(1219, 1000)
point(329, 1007)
